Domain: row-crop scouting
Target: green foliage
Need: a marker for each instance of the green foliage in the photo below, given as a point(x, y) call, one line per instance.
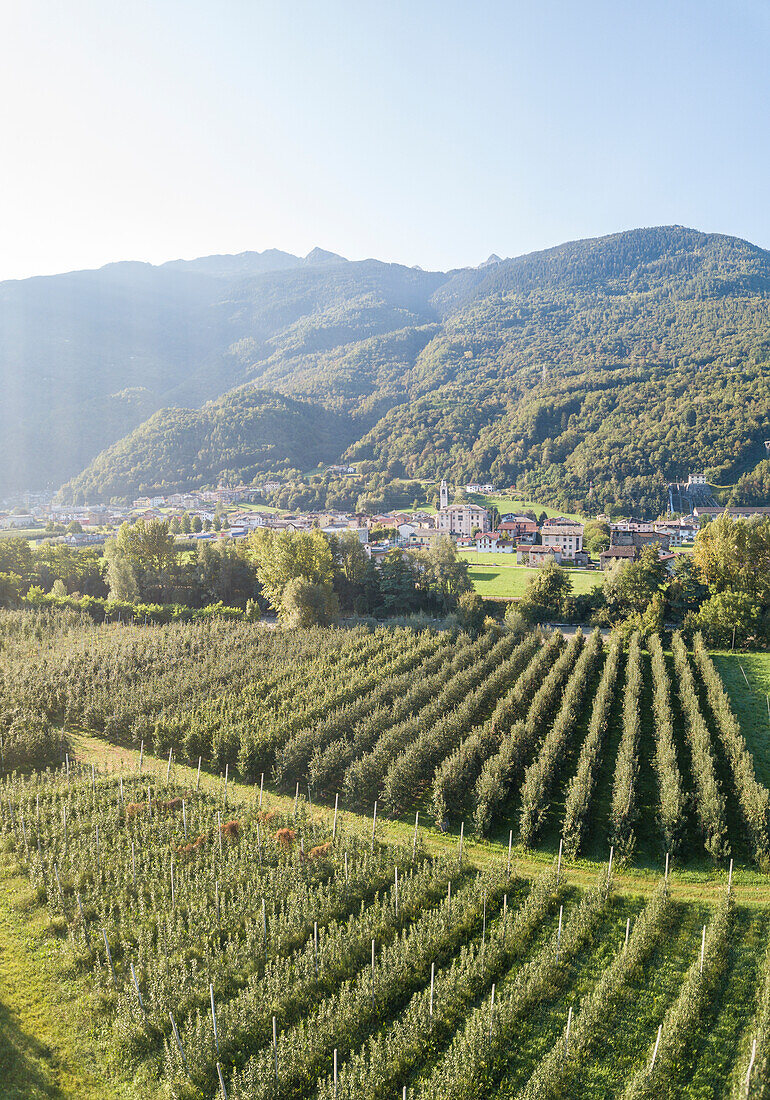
point(596, 536)
point(246, 433)
point(304, 603)
point(546, 594)
point(284, 556)
point(28, 740)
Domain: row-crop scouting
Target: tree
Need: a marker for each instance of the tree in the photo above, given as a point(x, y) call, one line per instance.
point(735, 554)
point(139, 560)
point(175, 526)
point(74, 528)
point(397, 583)
point(632, 586)
point(282, 556)
point(596, 536)
point(197, 524)
point(546, 593)
point(471, 612)
point(304, 603)
point(186, 523)
point(442, 573)
point(686, 592)
point(723, 613)
point(121, 578)
point(12, 588)
point(16, 557)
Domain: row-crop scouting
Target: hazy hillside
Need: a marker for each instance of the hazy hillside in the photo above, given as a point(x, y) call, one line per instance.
point(238, 436)
point(181, 334)
point(590, 373)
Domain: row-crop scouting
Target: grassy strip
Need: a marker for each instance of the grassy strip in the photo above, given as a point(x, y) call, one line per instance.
point(47, 1043)
point(750, 887)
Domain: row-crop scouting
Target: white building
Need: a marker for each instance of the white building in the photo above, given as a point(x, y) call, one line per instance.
point(489, 543)
point(567, 537)
point(463, 519)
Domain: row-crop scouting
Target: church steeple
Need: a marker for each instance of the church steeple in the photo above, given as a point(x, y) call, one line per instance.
point(444, 495)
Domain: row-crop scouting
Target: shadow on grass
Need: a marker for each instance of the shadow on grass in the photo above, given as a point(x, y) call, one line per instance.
point(23, 1062)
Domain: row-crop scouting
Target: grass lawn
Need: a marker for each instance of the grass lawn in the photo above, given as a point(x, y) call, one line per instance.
point(501, 580)
point(749, 701)
point(49, 1047)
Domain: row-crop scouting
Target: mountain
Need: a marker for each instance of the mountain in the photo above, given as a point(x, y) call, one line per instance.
point(240, 435)
point(588, 374)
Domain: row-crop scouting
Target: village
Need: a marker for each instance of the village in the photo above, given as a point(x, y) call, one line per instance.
point(227, 513)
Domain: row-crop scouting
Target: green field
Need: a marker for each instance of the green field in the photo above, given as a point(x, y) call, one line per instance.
point(499, 580)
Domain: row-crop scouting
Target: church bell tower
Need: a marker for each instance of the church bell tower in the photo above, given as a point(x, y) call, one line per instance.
point(444, 495)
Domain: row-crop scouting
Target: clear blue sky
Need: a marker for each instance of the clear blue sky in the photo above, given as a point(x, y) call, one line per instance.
point(427, 132)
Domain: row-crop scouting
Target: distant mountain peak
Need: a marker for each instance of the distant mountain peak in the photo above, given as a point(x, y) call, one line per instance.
point(491, 260)
point(321, 256)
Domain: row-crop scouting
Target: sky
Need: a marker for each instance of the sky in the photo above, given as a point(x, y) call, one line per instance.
point(426, 132)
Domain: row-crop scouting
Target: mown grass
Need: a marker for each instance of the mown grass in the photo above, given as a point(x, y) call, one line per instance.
point(506, 579)
point(49, 1048)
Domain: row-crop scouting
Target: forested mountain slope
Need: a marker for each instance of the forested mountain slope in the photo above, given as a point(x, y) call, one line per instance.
point(233, 438)
point(589, 374)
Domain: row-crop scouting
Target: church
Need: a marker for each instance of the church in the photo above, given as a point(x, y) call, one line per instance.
point(460, 519)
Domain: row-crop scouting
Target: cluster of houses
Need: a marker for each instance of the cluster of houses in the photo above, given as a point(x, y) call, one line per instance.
point(558, 539)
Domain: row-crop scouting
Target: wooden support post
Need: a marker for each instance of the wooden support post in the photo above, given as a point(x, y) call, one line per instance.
point(655, 1051)
point(484, 924)
point(336, 807)
point(335, 1073)
point(198, 777)
point(374, 822)
point(665, 876)
point(141, 757)
point(224, 799)
point(491, 1010)
point(609, 869)
point(275, 1049)
point(296, 800)
point(109, 959)
point(702, 948)
point(168, 766)
point(172, 883)
point(261, 789)
point(83, 918)
point(558, 865)
point(751, 1065)
point(315, 947)
point(510, 845)
point(566, 1035)
point(558, 934)
point(372, 973)
point(178, 1042)
point(136, 987)
point(628, 931)
point(133, 863)
point(214, 1016)
point(460, 849)
point(221, 1081)
point(432, 979)
point(184, 819)
point(414, 838)
point(730, 879)
point(264, 927)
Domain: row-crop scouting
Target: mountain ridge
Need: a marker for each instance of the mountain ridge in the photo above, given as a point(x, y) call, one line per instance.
point(495, 371)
